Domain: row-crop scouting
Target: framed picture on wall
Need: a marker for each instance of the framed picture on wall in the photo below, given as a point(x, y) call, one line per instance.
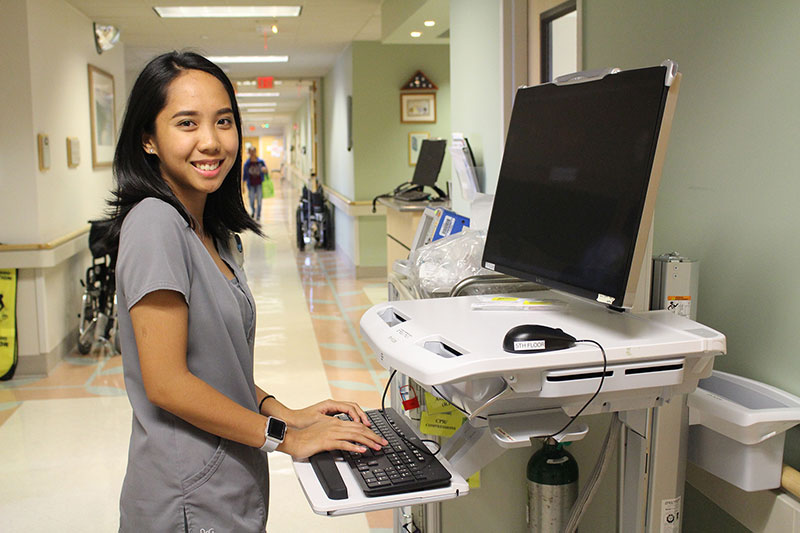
point(103, 118)
point(415, 139)
point(418, 107)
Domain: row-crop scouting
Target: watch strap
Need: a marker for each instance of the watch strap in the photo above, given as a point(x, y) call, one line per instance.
point(270, 443)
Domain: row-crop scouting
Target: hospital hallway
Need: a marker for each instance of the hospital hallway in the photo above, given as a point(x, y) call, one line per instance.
point(64, 438)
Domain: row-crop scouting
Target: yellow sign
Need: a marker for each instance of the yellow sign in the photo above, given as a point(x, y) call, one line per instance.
point(436, 405)
point(474, 480)
point(440, 424)
point(8, 322)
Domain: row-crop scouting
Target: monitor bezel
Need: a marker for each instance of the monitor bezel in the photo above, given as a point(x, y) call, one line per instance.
point(638, 259)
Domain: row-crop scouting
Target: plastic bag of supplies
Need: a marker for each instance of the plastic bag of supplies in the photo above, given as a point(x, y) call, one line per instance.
point(437, 267)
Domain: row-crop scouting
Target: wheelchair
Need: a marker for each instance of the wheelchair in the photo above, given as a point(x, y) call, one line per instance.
point(314, 220)
point(98, 316)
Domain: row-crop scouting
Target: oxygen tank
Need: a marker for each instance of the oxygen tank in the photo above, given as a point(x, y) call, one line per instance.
point(552, 488)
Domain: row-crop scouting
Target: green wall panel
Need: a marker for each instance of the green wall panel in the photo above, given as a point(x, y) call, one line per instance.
point(380, 140)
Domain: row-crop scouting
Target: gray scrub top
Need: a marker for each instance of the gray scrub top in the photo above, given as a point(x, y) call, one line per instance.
point(180, 477)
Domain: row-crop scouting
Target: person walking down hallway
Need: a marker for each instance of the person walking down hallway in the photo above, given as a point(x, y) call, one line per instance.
point(253, 173)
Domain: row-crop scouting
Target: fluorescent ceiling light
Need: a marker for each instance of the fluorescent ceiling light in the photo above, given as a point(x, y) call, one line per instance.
point(248, 59)
point(266, 95)
point(227, 11)
point(416, 34)
point(430, 23)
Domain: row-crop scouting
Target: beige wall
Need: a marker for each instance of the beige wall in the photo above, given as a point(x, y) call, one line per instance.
point(47, 45)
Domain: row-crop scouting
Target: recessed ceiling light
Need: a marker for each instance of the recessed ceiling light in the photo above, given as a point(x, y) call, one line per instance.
point(416, 34)
point(265, 94)
point(248, 59)
point(430, 23)
point(227, 11)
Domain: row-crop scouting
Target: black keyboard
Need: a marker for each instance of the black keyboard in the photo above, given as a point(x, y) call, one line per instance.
point(398, 467)
point(412, 195)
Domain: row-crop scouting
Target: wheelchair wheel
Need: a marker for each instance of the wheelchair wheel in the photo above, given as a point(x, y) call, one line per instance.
point(328, 241)
point(301, 243)
point(86, 329)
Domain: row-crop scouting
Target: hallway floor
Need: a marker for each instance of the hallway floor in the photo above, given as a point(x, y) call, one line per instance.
point(64, 438)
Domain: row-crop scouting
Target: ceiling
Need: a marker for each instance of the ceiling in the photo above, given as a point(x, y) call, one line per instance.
point(313, 41)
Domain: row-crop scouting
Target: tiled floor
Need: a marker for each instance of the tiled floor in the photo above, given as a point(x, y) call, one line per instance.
point(63, 439)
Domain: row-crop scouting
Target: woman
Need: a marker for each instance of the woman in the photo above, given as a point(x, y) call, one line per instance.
point(187, 319)
point(254, 173)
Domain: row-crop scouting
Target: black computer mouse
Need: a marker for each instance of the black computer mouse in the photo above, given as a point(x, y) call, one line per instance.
point(533, 338)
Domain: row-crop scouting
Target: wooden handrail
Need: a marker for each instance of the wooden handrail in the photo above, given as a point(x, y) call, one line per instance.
point(790, 481)
point(45, 246)
point(345, 199)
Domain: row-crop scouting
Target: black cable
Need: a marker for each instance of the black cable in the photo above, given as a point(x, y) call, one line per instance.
point(385, 390)
point(424, 449)
point(600, 386)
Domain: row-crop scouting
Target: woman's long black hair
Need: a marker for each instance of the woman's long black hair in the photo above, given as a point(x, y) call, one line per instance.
point(137, 173)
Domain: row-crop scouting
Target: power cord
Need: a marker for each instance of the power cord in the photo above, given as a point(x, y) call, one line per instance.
point(423, 449)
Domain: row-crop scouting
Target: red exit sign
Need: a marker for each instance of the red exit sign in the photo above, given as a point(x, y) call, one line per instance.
point(265, 82)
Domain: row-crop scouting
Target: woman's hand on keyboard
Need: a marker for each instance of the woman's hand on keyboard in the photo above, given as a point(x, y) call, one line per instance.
point(302, 418)
point(330, 433)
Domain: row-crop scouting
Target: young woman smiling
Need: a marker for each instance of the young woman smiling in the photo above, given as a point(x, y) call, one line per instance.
point(201, 426)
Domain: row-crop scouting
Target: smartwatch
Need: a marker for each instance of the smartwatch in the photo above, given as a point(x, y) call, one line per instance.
point(273, 435)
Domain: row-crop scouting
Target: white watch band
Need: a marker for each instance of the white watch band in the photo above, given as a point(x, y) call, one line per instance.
point(271, 442)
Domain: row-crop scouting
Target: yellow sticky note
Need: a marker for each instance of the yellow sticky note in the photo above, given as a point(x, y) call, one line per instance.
point(434, 405)
point(504, 299)
point(440, 424)
point(474, 480)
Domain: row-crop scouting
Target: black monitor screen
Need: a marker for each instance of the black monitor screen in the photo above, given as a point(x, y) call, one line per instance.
point(572, 184)
point(429, 162)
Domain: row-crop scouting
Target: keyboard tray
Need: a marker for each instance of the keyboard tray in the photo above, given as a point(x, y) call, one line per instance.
point(358, 502)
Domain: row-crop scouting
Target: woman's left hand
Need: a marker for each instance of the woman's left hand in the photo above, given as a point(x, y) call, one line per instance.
point(302, 418)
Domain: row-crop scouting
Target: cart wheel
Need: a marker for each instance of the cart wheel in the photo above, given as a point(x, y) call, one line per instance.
point(301, 243)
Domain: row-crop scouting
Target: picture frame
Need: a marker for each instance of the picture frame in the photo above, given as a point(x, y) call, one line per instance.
point(415, 139)
point(102, 112)
point(417, 108)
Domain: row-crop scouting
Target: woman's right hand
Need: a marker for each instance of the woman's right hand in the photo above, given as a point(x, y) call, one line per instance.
point(330, 434)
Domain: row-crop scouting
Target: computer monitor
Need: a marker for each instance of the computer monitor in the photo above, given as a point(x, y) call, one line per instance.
point(429, 162)
point(577, 185)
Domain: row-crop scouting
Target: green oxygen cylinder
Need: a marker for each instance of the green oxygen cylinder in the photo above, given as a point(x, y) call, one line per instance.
point(552, 488)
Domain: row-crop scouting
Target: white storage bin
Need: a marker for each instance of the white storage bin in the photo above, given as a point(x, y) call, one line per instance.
point(737, 429)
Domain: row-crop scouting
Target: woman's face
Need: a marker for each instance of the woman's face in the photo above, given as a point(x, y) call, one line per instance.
point(195, 137)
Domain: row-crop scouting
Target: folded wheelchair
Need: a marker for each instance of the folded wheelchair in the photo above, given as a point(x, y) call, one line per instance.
point(314, 220)
point(98, 316)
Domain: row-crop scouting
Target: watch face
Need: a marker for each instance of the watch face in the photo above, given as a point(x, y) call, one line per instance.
point(276, 428)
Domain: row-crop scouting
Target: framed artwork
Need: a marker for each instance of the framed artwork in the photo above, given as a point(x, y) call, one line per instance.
point(417, 107)
point(415, 139)
point(103, 117)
